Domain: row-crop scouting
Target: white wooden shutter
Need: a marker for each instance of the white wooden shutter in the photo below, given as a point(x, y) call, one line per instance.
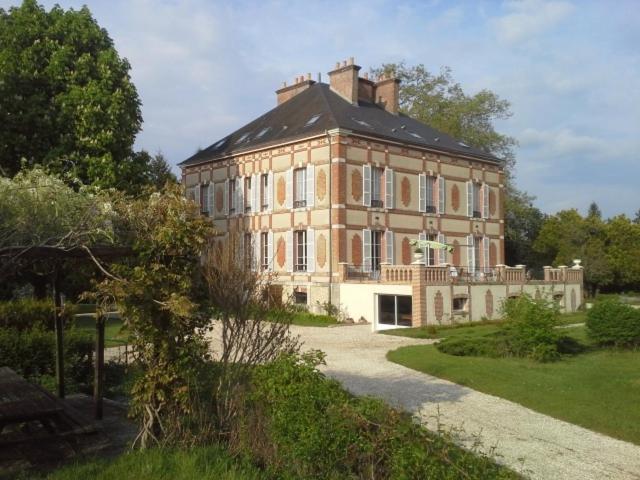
point(255, 193)
point(422, 192)
point(289, 251)
point(366, 250)
point(441, 193)
point(366, 185)
point(196, 197)
point(255, 251)
point(470, 198)
point(442, 253)
point(471, 261)
point(485, 200)
point(485, 253)
point(311, 183)
point(239, 195)
point(211, 199)
point(270, 191)
point(225, 200)
point(422, 236)
point(389, 194)
point(388, 240)
point(289, 197)
point(311, 250)
point(270, 249)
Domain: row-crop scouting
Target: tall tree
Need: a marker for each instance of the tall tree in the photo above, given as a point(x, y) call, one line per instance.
point(567, 236)
point(439, 101)
point(66, 99)
point(624, 251)
point(636, 219)
point(523, 222)
point(160, 171)
point(594, 211)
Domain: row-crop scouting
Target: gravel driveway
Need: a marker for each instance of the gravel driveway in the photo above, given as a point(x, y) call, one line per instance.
point(539, 446)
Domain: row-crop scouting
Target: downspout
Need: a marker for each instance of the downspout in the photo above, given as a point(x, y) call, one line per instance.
point(330, 220)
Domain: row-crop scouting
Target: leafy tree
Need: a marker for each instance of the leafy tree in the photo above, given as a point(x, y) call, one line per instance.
point(160, 171)
point(636, 219)
point(159, 291)
point(594, 211)
point(439, 101)
point(624, 251)
point(41, 210)
point(567, 236)
point(523, 222)
point(66, 99)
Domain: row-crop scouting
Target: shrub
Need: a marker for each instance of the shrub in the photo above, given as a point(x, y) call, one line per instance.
point(611, 322)
point(469, 346)
point(28, 313)
point(528, 331)
point(299, 424)
point(529, 327)
point(31, 353)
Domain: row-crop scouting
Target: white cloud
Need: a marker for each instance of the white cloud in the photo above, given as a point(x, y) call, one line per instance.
point(529, 18)
point(561, 142)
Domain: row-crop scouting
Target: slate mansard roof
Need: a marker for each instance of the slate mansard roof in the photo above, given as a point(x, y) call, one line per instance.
point(318, 109)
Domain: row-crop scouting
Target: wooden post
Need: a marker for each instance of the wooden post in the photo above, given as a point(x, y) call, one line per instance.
point(59, 327)
point(98, 380)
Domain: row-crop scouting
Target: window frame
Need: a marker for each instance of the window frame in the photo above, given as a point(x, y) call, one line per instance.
point(300, 257)
point(377, 177)
point(300, 187)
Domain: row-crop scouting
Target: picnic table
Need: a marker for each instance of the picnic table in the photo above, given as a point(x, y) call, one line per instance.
point(22, 402)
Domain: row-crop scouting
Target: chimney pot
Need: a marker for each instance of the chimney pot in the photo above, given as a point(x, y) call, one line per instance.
point(366, 75)
point(350, 60)
point(337, 65)
point(308, 76)
point(344, 63)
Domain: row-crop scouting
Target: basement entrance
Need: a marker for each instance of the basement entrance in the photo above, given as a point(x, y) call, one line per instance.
point(393, 311)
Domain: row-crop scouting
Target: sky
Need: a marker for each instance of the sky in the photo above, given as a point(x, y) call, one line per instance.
point(571, 70)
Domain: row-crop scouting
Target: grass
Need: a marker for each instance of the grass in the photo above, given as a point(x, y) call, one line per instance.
point(204, 463)
point(114, 333)
point(465, 329)
point(306, 319)
point(598, 390)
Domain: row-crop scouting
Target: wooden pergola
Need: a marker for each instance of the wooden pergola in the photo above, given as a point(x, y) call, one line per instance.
point(56, 255)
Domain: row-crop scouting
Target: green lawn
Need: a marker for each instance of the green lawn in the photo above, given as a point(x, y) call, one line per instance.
point(469, 328)
point(113, 330)
point(207, 463)
point(599, 390)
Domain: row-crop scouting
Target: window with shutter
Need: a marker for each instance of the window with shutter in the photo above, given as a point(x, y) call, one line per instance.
point(299, 187)
point(270, 259)
point(311, 179)
point(196, 198)
point(470, 198)
point(289, 251)
point(311, 250)
point(366, 250)
point(389, 189)
point(270, 192)
point(389, 241)
point(377, 177)
point(422, 192)
point(225, 198)
point(485, 200)
point(210, 199)
point(300, 250)
point(441, 194)
point(430, 198)
point(442, 253)
point(471, 263)
point(485, 257)
point(366, 185)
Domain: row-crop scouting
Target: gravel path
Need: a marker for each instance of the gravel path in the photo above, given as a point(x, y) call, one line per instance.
point(539, 446)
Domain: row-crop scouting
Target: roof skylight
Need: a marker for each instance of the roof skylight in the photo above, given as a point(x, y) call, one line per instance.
point(462, 144)
point(242, 138)
point(361, 122)
point(262, 132)
point(413, 134)
point(219, 143)
point(312, 120)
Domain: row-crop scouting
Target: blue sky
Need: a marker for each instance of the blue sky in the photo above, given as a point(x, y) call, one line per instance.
point(571, 70)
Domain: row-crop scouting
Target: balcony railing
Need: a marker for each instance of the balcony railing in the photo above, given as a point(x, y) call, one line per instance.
point(453, 274)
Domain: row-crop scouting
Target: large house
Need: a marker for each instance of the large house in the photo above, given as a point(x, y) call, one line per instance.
point(329, 189)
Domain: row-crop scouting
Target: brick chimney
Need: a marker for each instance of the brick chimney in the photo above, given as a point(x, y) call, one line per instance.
point(387, 92)
point(299, 85)
point(366, 89)
point(344, 80)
